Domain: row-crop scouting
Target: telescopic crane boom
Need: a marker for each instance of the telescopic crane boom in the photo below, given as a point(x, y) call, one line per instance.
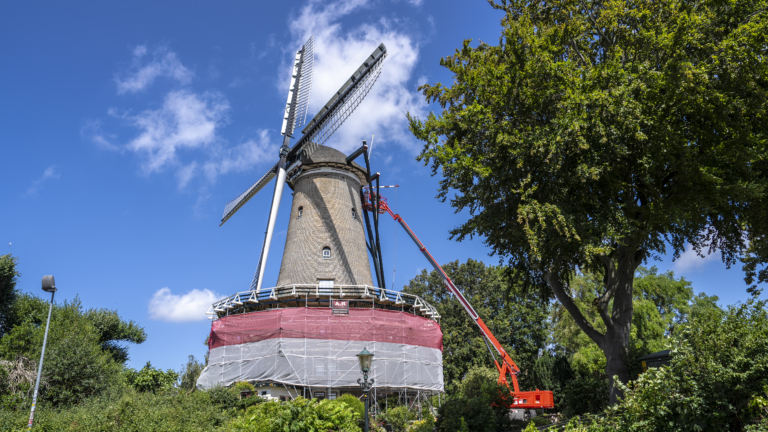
point(507, 367)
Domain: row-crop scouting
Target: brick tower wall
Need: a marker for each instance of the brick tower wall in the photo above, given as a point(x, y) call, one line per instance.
point(326, 196)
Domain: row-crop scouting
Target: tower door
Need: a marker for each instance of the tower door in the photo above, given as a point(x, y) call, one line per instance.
point(326, 286)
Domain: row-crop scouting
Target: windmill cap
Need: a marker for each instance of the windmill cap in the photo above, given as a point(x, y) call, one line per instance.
point(327, 156)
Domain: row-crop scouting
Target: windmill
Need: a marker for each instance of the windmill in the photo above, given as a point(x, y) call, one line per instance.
point(316, 132)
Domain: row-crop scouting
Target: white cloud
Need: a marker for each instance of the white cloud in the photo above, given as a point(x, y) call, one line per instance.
point(339, 52)
point(166, 306)
point(689, 261)
point(48, 174)
point(163, 63)
point(241, 157)
point(186, 121)
point(184, 134)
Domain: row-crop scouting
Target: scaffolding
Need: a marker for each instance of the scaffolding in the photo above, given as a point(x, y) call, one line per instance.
point(310, 347)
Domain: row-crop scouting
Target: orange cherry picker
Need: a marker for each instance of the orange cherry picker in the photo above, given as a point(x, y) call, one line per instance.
point(376, 204)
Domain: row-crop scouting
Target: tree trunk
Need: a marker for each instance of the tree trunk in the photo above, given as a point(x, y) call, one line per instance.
point(619, 281)
point(615, 351)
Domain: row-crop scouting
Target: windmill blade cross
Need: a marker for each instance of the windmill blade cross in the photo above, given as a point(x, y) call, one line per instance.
point(340, 106)
point(300, 89)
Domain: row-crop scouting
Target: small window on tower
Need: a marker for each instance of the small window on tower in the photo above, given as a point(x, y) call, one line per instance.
point(301, 212)
point(327, 252)
point(354, 214)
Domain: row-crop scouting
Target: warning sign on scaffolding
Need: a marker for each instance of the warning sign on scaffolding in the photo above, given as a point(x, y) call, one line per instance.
point(340, 307)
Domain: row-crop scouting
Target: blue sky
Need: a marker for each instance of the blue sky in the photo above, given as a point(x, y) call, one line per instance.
point(126, 127)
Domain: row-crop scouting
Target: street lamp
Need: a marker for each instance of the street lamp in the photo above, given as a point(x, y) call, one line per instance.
point(365, 358)
point(49, 285)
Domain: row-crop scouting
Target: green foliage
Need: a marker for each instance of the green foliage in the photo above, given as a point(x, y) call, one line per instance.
point(480, 404)
point(223, 397)
point(299, 415)
point(190, 372)
point(8, 293)
point(399, 418)
point(357, 406)
point(149, 379)
point(124, 409)
point(244, 386)
point(553, 372)
point(17, 380)
point(717, 377)
point(584, 395)
point(112, 330)
point(598, 134)
point(228, 399)
point(82, 356)
point(426, 424)
point(75, 365)
point(517, 320)
point(109, 328)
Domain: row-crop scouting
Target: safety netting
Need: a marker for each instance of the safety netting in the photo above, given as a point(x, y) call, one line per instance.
point(312, 347)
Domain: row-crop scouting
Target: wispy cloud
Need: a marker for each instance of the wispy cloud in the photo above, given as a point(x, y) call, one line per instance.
point(690, 261)
point(146, 67)
point(186, 121)
point(49, 174)
point(183, 135)
point(166, 306)
point(339, 51)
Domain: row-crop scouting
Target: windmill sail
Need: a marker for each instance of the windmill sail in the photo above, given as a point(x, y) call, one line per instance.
point(341, 105)
point(300, 89)
point(234, 205)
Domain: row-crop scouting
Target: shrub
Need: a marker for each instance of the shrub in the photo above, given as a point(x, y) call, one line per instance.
point(481, 404)
point(399, 418)
point(584, 395)
point(223, 397)
point(299, 415)
point(244, 386)
point(353, 402)
point(717, 379)
point(124, 409)
point(149, 379)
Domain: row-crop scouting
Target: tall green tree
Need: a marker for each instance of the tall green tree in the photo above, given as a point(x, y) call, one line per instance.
point(518, 320)
point(83, 356)
point(112, 331)
point(8, 293)
point(598, 134)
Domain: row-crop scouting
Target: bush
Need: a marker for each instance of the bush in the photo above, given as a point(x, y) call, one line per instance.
point(124, 409)
point(81, 350)
point(399, 418)
point(480, 404)
point(299, 415)
point(244, 386)
point(717, 379)
point(584, 395)
point(353, 402)
point(149, 379)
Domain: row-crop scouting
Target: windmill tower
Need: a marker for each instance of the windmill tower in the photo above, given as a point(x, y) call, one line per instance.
point(306, 331)
point(325, 244)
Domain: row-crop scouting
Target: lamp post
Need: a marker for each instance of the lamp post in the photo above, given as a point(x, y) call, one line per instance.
point(365, 358)
point(49, 285)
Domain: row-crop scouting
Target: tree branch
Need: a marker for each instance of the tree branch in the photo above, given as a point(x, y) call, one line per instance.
point(570, 306)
